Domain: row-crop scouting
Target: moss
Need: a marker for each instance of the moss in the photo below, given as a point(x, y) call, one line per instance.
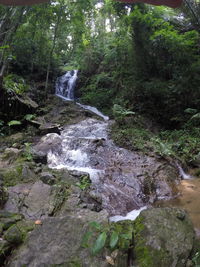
point(145, 255)
point(13, 235)
point(25, 227)
point(72, 263)
point(8, 219)
point(12, 176)
point(75, 263)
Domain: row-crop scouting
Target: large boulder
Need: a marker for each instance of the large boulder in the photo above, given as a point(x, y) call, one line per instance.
point(57, 242)
point(49, 142)
point(163, 237)
point(34, 200)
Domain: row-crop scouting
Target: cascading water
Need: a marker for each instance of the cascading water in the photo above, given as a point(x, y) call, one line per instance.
point(65, 85)
point(65, 89)
point(182, 173)
point(117, 175)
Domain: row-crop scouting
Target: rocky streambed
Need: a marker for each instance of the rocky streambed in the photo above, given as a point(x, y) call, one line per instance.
point(47, 209)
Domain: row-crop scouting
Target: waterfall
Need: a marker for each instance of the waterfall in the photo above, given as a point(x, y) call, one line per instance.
point(182, 173)
point(65, 85)
point(65, 89)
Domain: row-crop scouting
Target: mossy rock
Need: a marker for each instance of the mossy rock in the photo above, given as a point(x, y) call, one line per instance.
point(13, 235)
point(11, 176)
point(21, 172)
point(163, 237)
point(8, 219)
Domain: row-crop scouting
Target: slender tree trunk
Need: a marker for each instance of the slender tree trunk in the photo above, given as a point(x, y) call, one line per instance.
point(53, 46)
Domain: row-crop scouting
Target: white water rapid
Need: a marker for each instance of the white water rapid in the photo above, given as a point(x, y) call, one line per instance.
point(118, 176)
point(65, 85)
point(65, 89)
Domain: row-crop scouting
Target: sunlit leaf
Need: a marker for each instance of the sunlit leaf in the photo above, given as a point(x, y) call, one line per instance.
point(100, 243)
point(114, 239)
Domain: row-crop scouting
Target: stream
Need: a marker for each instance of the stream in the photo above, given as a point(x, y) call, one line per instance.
point(119, 176)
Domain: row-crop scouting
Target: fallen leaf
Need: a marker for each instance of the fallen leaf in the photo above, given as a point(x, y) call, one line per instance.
point(38, 222)
point(114, 254)
point(110, 260)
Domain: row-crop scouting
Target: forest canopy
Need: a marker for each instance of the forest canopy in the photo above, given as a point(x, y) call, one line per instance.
point(143, 57)
point(170, 3)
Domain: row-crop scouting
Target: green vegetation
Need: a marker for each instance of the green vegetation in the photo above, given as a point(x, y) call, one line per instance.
point(132, 57)
point(84, 183)
point(111, 236)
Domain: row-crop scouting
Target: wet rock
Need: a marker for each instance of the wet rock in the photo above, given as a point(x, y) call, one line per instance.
point(66, 234)
point(78, 174)
point(50, 128)
point(163, 237)
point(50, 142)
point(122, 180)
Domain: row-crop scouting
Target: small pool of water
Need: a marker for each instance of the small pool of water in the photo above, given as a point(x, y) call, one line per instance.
point(189, 199)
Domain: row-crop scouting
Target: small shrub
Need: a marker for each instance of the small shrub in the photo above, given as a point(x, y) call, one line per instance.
point(15, 83)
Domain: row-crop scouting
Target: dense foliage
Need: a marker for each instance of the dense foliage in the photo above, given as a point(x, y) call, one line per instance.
point(140, 58)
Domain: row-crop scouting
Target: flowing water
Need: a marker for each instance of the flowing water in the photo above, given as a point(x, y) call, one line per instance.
point(65, 86)
point(117, 174)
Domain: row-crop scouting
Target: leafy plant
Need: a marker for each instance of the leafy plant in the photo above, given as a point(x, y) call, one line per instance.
point(14, 122)
point(84, 182)
point(120, 112)
point(111, 236)
point(15, 83)
point(196, 259)
point(29, 117)
point(27, 152)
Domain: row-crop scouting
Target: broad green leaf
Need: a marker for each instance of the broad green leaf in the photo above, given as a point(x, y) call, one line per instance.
point(196, 117)
point(14, 122)
point(114, 239)
point(85, 239)
point(29, 117)
point(190, 111)
point(100, 243)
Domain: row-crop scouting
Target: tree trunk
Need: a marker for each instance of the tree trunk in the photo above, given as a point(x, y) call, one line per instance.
point(53, 46)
